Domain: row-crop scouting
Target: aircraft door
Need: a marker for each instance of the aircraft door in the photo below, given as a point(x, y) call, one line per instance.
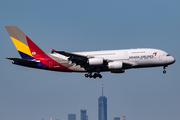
point(164, 57)
point(125, 53)
point(51, 64)
point(160, 57)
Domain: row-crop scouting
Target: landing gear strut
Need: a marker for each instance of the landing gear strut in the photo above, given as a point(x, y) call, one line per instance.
point(164, 71)
point(94, 76)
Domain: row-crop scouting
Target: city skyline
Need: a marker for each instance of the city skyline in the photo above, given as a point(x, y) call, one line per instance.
point(102, 110)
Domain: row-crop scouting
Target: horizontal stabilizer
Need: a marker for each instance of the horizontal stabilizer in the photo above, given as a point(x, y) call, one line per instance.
point(22, 60)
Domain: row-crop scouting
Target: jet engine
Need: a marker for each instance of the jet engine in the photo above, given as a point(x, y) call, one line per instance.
point(115, 65)
point(96, 61)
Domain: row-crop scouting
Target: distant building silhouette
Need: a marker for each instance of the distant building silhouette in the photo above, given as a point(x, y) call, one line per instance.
point(122, 117)
point(83, 115)
point(71, 116)
point(102, 107)
point(117, 118)
point(51, 118)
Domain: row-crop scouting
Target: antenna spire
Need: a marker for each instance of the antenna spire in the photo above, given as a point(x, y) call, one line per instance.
point(102, 88)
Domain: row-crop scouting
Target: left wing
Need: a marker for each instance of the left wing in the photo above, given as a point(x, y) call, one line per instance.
point(84, 61)
point(72, 55)
point(75, 58)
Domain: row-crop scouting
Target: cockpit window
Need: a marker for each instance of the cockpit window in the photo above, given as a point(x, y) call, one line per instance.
point(168, 55)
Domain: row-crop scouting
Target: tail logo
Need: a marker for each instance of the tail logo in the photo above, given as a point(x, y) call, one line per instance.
point(33, 53)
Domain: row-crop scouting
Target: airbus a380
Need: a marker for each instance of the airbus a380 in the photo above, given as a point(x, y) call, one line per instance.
point(92, 63)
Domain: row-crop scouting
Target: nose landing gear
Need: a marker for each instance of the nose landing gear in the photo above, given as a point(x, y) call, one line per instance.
point(94, 76)
point(164, 71)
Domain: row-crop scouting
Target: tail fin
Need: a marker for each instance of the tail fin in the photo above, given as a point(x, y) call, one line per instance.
point(25, 46)
point(30, 51)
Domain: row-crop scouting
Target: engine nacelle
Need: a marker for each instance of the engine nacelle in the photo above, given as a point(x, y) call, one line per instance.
point(96, 61)
point(115, 65)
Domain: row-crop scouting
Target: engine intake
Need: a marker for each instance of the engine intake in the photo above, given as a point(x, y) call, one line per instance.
point(96, 61)
point(115, 65)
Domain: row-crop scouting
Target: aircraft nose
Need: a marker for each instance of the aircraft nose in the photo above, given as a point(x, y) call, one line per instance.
point(172, 60)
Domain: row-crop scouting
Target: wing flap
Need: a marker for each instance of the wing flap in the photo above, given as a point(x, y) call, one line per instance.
point(74, 58)
point(81, 60)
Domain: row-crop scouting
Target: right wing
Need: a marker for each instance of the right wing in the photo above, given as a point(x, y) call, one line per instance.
point(78, 59)
point(83, 61)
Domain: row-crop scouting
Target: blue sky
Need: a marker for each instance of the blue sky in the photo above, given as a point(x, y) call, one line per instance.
point(73, 26)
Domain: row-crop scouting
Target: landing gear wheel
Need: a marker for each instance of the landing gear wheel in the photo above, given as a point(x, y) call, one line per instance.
point(100, 76)
point(86, 75)
point(97, 75)
point(164, 71)
point(94, 76)
point(90, 76)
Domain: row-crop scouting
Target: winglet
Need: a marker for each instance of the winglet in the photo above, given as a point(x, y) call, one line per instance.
point(52, 51)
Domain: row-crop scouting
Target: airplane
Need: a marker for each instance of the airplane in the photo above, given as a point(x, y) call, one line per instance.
point(91, 63)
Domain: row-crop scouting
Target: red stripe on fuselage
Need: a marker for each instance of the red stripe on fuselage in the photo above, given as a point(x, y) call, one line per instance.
point(38, 54)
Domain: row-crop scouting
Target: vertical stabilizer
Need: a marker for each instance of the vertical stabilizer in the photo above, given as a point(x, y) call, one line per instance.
point(26, 47)
point(30, 51)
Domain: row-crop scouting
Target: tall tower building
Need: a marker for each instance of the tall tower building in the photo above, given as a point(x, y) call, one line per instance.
point(122, 117)
point(71, 116)
point(102, 107)
point(83, 115)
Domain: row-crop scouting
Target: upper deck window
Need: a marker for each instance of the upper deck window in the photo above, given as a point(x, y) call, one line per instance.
point(138, 52)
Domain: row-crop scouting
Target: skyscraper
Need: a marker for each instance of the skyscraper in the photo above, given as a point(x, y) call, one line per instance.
point(83, 115)
point(71, 116)
point(102, 107)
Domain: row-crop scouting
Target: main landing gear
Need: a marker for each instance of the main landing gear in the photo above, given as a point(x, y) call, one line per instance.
point(93, 76)
point(164, 71)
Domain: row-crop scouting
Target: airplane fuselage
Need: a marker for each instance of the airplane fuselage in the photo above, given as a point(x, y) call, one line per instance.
point(136, 58)
point(115, 61)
